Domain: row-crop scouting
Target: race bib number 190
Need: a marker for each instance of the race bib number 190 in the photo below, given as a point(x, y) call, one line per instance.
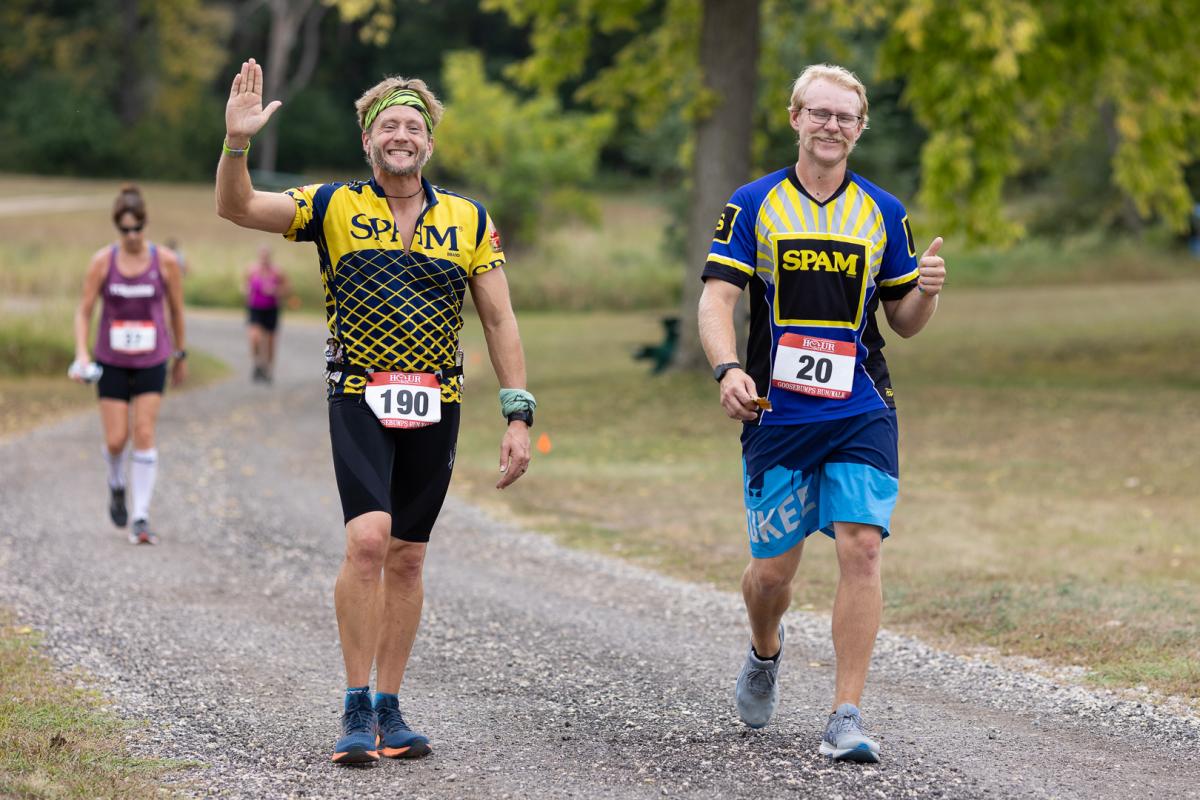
point(818, 367)
point(405, 399)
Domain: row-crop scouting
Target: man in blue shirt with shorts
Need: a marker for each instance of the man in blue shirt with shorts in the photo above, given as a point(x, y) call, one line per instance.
point(820, 248)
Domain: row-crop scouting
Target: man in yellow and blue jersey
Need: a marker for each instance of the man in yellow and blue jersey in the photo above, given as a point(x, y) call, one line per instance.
point(820, 249)
point(397, 256)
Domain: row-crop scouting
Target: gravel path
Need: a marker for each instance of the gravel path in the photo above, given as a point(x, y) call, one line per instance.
point(538, 672)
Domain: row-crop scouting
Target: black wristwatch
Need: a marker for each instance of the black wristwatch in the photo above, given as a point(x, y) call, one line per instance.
point(179, 355)
point(720, 369)
point(525, 416)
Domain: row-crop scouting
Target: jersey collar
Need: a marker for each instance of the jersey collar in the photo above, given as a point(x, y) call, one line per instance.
point(430, 195)
point(791, 174)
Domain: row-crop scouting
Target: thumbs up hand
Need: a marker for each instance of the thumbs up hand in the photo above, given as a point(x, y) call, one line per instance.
point(931, 274)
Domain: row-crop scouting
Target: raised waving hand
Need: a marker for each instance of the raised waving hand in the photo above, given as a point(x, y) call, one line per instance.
point(244, 113)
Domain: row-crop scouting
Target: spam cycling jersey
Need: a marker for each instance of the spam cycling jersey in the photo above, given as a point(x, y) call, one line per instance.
point(391, 309)
point(817, 271)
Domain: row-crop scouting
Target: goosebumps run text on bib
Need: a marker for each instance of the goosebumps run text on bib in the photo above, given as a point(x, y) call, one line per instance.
point(816, 272)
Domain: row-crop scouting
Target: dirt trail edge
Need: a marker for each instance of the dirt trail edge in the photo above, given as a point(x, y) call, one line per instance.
point(538, 672)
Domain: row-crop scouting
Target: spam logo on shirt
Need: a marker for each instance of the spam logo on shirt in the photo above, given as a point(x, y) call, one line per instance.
point(384, 230)
point(820, 279)
point(724, 230)
point(822, 260)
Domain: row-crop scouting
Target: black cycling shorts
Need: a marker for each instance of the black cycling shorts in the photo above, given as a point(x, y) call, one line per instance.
point(267, 318)
point(122, 383)
point(405, 473)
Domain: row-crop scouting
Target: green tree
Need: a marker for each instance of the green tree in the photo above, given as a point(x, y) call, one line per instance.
point(524, 155)
point(701, 58)
point(124, 80)
point(1001, 83)
point(998, 83)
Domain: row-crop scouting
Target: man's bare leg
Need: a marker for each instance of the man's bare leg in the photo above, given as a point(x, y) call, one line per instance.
point(357, 593)
point(857, 607)
point(403, 594)
point(767, 590)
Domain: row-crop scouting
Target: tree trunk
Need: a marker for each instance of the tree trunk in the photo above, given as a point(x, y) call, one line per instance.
point(130, 105)
point(286, 18)
point(729, 43)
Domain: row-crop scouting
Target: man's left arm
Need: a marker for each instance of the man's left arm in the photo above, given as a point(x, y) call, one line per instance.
point(908, 315)
point(489, 290)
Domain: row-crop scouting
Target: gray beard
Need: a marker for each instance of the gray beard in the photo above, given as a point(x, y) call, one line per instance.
point(379, 162)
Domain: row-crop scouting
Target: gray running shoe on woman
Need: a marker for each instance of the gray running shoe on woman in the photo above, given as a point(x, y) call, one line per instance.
point(757, 692)
point(846, 738)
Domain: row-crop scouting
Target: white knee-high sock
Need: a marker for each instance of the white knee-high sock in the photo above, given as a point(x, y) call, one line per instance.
point(141, 475)
point(116, 467)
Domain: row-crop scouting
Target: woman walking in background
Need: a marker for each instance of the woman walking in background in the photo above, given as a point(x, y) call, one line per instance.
point(137, 282)
point(266, 287)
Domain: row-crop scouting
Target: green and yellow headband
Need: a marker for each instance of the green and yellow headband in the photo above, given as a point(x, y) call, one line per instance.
point(400, 97)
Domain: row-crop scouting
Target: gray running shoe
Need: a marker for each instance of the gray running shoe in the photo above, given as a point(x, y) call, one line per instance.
point(756, 691)
point(846, 738)
point(140, 533)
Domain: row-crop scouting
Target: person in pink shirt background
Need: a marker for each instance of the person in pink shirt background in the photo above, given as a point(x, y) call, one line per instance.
point(266, 288)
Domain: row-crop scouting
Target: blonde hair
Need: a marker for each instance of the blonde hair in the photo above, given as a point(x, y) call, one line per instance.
point(839, 76)
point(390, 84)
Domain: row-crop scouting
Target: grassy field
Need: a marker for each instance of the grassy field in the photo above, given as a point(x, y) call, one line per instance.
point(1049, 448)
point(1049, 428)
point(59, 741)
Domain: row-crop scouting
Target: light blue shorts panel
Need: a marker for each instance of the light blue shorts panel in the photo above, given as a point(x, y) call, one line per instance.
point(856, 493)
point(780, 510)
point(787, 505)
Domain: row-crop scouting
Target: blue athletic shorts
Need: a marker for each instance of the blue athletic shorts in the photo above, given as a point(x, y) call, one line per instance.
point(800, 479)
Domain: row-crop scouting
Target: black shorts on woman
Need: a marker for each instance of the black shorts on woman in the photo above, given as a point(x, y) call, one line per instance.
point(401, 472)
point(265, 318)
point(125, 383)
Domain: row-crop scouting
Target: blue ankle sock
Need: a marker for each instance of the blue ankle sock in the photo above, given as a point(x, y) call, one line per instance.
point(390, 699)
point(354, 692)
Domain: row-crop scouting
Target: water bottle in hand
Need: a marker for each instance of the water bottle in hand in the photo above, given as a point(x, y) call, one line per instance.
point(88, 372)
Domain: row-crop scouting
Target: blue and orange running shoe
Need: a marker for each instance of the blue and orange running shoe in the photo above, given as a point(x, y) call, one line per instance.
point(395, 739)
point(357, 745)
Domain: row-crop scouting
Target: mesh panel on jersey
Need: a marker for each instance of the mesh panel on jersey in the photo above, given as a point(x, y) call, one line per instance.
point(400, 311)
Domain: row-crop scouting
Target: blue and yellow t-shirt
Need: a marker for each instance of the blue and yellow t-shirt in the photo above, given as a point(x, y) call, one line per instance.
point(390, 309)
point(817, 271)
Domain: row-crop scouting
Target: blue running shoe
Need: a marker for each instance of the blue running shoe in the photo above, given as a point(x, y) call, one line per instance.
point(846, 737)
point(757, 693)
point(395, 739)
point(357, 745)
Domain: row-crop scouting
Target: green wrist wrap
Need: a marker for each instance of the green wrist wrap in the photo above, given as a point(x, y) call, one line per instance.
point(512, 400)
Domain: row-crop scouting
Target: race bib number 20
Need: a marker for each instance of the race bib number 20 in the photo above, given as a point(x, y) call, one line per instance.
point(405, 399)
point(813, 366)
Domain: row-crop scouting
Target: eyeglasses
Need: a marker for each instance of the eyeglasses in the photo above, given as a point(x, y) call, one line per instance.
point(133, 229)
point(821, 116)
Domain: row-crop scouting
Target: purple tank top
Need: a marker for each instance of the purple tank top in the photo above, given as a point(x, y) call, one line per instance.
point(263, 289)
point(133, 328)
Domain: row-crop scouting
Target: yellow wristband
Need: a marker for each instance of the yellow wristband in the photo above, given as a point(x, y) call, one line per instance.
point(229, 151)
